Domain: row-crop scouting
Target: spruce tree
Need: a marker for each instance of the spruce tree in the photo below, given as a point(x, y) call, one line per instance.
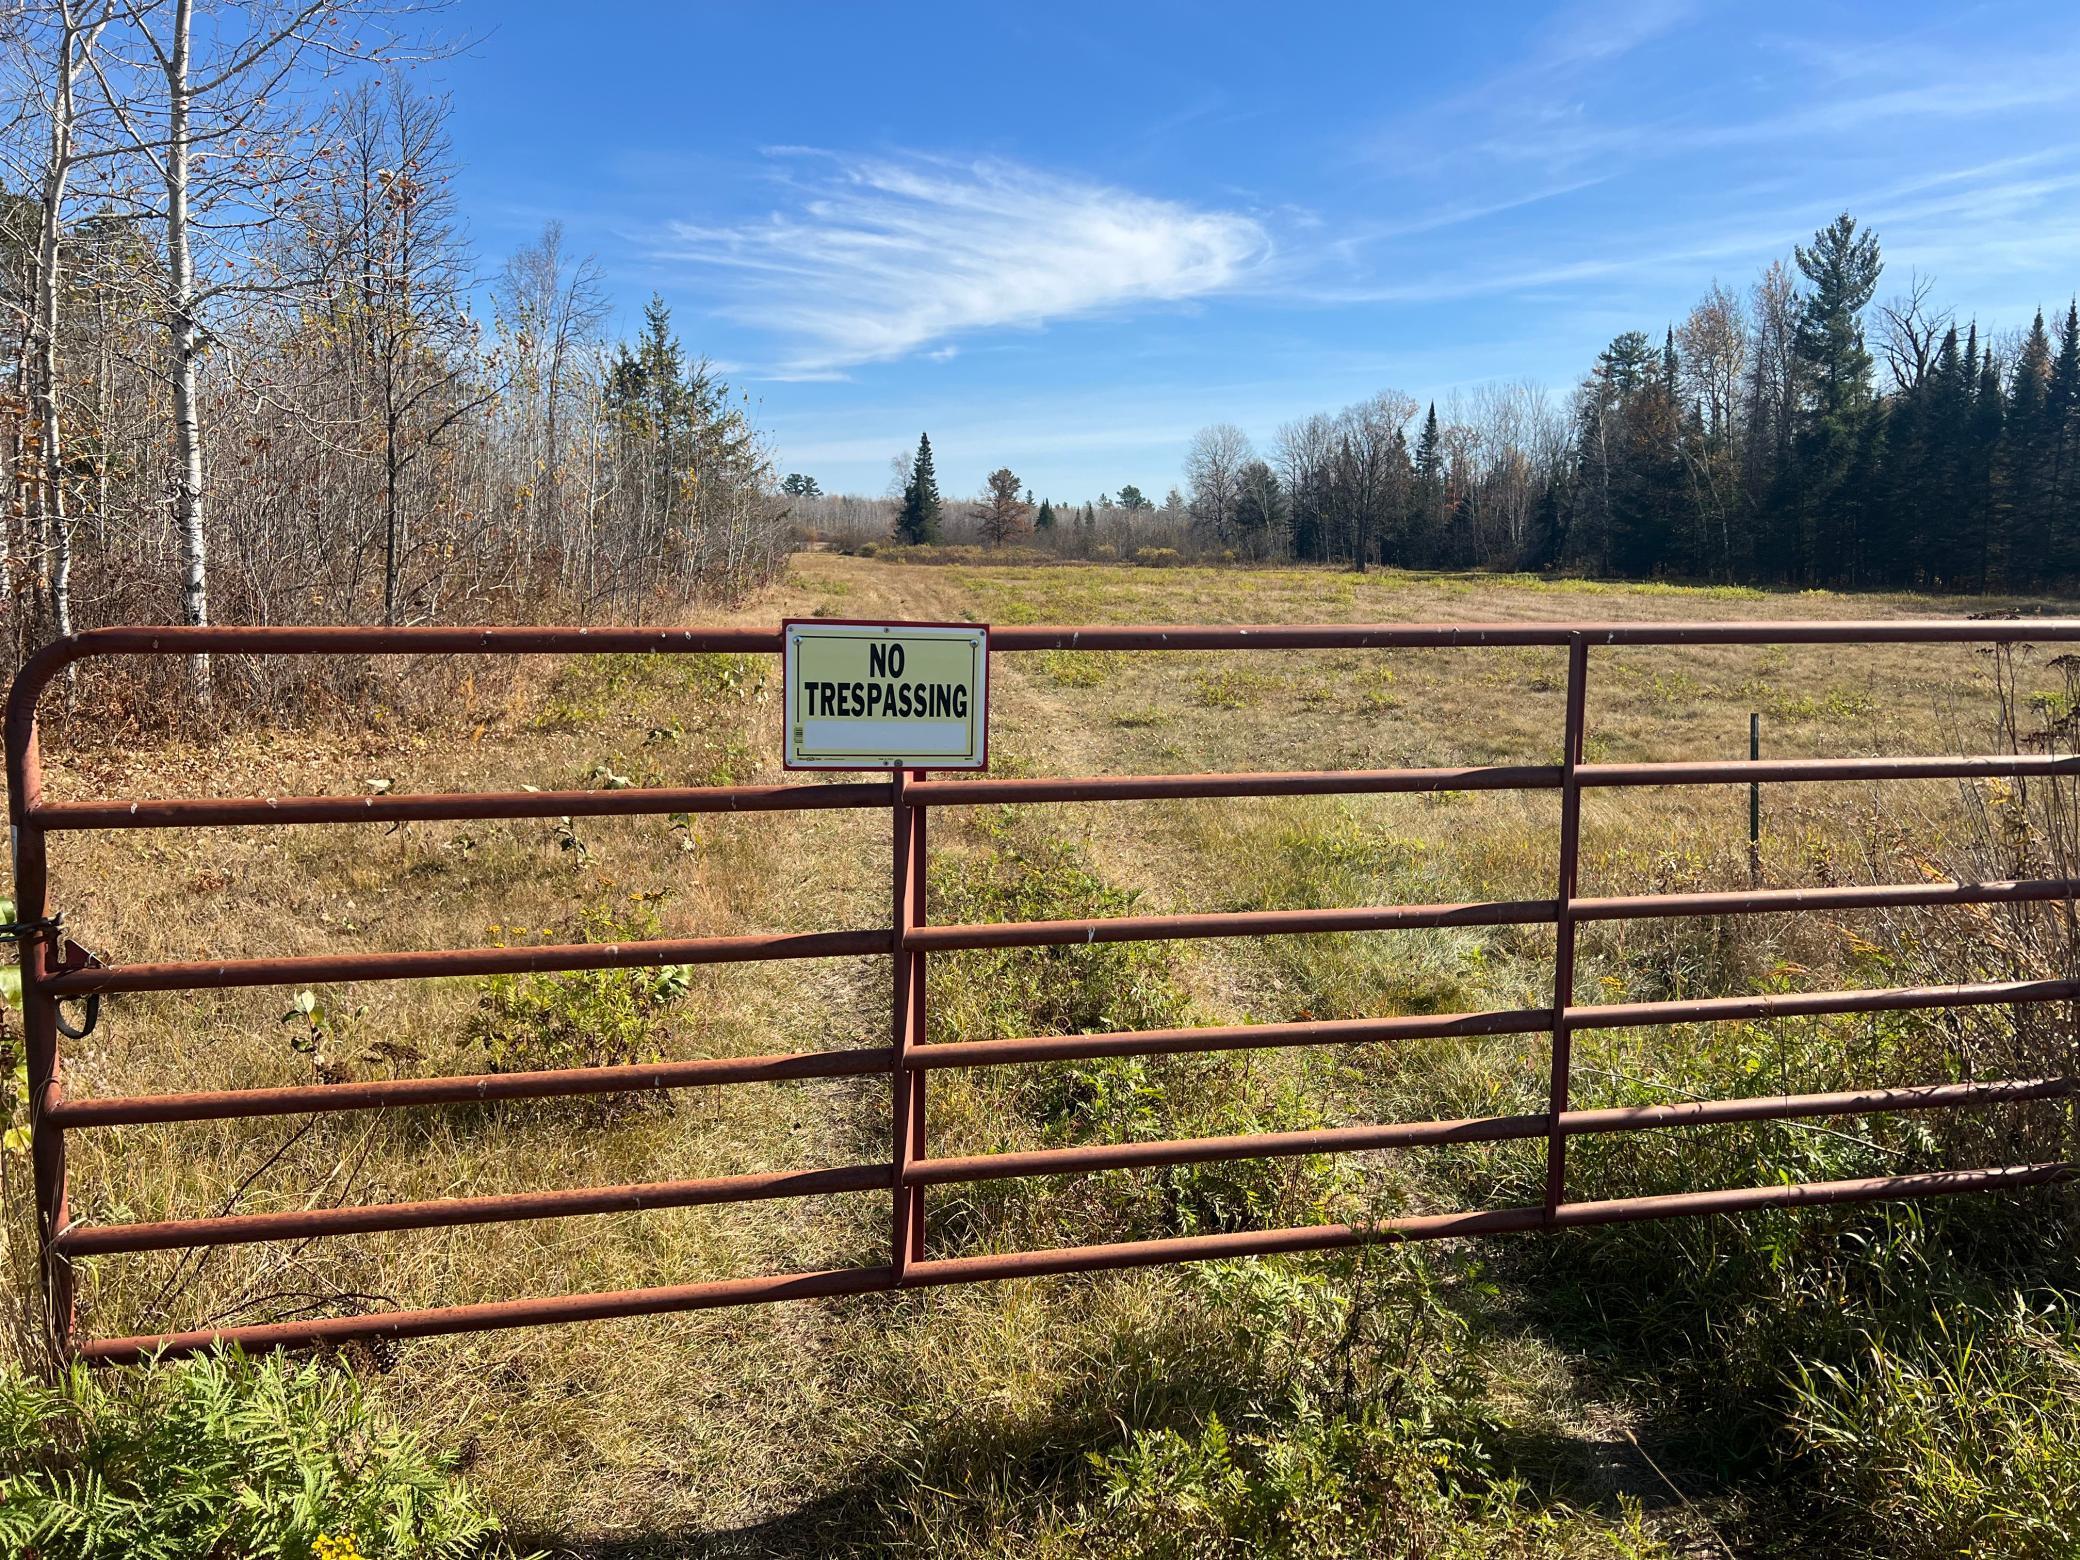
point(1426, 496)
point(1949, 396)
point(2062, 416)
point(2022, 476)
point(917, 520)
point(1044, 519)
point(1977, 483)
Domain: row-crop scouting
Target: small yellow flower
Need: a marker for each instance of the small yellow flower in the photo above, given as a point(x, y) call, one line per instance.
point(330, 1548)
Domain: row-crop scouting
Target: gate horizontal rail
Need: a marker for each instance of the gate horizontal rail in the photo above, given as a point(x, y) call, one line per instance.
point(52, 972)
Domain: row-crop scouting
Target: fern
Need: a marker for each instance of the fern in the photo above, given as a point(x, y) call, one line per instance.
point(224, 1456)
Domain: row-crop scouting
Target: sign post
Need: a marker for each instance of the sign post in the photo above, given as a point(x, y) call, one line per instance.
point(905, 697)
point(886, 695)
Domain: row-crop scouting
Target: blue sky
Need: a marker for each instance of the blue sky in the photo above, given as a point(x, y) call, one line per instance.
point(1063, 237)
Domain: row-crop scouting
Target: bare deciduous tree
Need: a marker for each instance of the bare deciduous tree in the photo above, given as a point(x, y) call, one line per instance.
point(1213, 468)
point(551, 307)
point(1910, 333)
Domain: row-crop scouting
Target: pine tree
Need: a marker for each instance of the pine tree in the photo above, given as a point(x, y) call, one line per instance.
point(1044, 520)
point(669, 417)
point(1652, 509)
point(1842, 265)
point(1003, 516)
point(917, 519)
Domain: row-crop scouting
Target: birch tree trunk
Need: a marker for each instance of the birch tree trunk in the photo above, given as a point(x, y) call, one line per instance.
point(73, 42)
point(186, 334)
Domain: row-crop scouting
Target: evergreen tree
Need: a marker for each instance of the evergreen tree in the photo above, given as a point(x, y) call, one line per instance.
point(1044, 520)
point(1942, 550)
point(1652, 517)
point(2023, 470)
point(2063, 416)
point(917, 518)
point(1627, 365)
point(672, 425)
point(649, 399)
point(1842, 267)
point(1003, 516)
point(1976, 481)
point(1614, 494)
point(1424, 538)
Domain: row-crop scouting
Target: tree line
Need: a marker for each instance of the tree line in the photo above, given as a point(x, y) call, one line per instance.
point(1801, 434)
point(1761, 439)
point(254, 373)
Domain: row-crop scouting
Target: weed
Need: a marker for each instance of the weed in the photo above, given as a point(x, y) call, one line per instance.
point(1228, 687)
point(322, 1032)
point(1960, 1438)
point(224, 1456)
point(1080, 668)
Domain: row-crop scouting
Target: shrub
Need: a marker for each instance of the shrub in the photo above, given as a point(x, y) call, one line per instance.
point(1377, 1444)
point(228, 1457)
point(1326, 1485)
point(581, 1018)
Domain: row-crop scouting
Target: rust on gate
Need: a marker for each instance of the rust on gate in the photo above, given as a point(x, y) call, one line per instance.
point(54, 970)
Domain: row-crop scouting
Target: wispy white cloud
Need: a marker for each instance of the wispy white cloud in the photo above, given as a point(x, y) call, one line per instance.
point(881, 258)
point(1934, 220)
point(1842, 93)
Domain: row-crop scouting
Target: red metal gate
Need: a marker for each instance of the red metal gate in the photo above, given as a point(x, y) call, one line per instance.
point(53, 970)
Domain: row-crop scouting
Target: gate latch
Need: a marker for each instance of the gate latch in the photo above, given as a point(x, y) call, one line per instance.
point(71, 956)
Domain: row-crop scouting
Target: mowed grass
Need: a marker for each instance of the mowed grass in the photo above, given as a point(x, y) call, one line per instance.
point(1484, 1397)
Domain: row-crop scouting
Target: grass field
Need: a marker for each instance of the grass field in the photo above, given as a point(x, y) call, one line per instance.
point(1724, 1386)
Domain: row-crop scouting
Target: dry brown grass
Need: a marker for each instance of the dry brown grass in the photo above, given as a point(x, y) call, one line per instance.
point(858, 1412)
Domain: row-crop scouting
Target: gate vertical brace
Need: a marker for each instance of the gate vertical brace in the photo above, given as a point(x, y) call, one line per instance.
point(38, 954)
point(907, 1131)
point(1564, 919)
